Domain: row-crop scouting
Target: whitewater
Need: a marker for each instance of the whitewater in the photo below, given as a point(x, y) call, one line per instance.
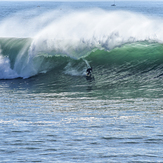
point(50, 111)
point(73, 34)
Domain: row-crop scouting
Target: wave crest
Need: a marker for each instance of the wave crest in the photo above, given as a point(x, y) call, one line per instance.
point(77, 34)
point(74, 35)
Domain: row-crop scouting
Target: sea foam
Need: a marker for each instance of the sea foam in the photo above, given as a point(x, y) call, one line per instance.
point(74, 34)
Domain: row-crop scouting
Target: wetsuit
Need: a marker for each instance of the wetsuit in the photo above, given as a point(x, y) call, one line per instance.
point(89, 71)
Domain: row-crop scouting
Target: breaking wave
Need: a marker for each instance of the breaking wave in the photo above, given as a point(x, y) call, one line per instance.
point(119, 41)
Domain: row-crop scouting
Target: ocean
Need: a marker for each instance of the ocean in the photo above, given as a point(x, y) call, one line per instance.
point(51, 112)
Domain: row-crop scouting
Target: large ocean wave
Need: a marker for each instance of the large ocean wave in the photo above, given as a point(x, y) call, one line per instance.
point(118, 41)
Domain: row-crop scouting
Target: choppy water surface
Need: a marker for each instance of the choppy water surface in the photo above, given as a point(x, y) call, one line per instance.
point(49, 112)
point(55, 125)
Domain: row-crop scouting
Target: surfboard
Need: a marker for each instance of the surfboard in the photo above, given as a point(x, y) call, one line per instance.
point(89, 77)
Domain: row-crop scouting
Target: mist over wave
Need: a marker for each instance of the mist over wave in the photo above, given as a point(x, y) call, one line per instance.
point(32, 43)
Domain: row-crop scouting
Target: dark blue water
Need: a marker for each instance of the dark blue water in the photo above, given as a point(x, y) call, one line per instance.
point(49, 111)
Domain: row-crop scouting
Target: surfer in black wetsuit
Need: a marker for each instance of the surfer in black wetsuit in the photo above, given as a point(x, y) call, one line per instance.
point(89, 70)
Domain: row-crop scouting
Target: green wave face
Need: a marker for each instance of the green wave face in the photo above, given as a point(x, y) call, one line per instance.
point(139, 56)
point(140, 62)
point(22, 57)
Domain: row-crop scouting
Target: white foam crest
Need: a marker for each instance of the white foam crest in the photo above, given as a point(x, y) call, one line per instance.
point(74, 34)
point(5, 71)
point(78, 33)
point(24, 64)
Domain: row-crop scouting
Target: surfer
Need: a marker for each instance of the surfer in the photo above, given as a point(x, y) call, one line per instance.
point(89, 75)
point(89, 70)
